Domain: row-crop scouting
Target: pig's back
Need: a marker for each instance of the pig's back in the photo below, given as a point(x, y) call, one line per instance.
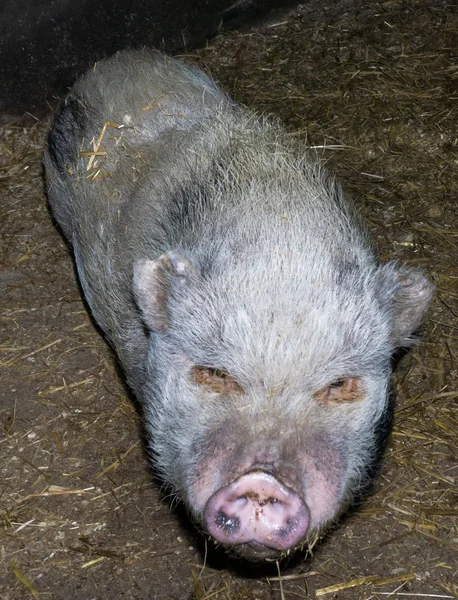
point(147, 155)
point(125, 117)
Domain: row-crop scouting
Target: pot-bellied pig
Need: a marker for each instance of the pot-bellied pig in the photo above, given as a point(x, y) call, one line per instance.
point(240, 292)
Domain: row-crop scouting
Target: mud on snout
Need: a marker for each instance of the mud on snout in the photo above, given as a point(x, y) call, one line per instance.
point(260, 503)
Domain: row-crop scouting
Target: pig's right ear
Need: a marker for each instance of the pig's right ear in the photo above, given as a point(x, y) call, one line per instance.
point(152, 284)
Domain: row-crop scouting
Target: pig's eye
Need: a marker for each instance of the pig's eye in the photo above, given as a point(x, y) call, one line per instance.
point(216, 380)
point(347, 389)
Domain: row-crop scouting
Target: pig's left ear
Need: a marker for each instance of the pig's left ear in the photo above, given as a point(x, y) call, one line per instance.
point(406, 293)
point(153, 281)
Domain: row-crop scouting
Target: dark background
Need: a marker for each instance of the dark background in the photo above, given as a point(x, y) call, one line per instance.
point(45, 44)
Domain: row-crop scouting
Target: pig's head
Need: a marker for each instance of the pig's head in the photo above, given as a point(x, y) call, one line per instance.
point(267, 395)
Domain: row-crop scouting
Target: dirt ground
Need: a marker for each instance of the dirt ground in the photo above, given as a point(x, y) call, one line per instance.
point(373, 87)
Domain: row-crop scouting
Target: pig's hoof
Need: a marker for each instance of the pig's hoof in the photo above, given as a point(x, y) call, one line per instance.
point(257, 511)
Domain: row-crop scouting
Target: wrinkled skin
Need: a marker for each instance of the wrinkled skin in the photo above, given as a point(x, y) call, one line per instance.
point(240, 292)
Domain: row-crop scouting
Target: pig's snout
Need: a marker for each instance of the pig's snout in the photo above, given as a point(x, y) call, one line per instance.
point(259, 511)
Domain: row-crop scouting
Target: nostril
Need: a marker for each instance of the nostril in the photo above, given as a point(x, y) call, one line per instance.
point(227, 524)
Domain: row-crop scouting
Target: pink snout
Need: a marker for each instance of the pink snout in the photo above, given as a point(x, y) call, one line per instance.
point(257, 509)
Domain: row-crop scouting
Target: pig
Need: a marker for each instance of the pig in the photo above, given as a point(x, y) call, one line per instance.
point(240, 291)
